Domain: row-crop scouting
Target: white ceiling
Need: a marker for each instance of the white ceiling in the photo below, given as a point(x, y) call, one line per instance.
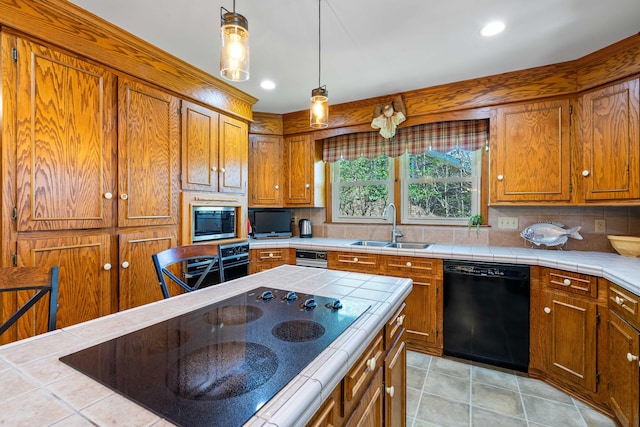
point(374, 47)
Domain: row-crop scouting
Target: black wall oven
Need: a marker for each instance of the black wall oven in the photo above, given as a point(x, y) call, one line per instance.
point(212, 223)
point(234, 261)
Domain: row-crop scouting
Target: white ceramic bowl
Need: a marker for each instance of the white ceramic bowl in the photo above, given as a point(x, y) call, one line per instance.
point(626, 245)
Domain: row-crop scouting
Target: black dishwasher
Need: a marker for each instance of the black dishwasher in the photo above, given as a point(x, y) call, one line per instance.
point(486, 313)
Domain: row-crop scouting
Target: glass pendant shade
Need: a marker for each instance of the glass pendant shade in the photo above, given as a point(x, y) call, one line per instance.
point(234, 51)
point(319, 111)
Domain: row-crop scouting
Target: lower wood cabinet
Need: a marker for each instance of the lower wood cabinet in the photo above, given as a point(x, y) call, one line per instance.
point(354, 261)
point(265, 259)
point(369, 411)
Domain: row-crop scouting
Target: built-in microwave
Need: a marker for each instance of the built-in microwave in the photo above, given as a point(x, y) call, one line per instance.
point(212, 223)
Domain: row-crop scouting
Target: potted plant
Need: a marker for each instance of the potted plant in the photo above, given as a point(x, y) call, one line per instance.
point(475, 221)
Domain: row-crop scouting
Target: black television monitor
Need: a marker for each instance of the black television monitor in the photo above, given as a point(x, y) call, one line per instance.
point(271, 223)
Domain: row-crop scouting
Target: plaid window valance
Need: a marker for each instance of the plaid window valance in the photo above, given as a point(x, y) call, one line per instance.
point(441, 136)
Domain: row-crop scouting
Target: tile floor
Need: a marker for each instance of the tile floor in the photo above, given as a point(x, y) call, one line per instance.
point(449, 393)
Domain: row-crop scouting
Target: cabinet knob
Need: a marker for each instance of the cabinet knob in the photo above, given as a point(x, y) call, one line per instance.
point(547, 310)
point(409, 264)
point(500, 177)
point(307, 186)
point(124, 196)
point(107, 267)
point(619, 301)
point(390, 391)
point(108, 196)
point(355, 259)
point(371, 364)
point(214, 169)
point(631, 357)
point(585, 173)
point(222, 170)
point(400, 320)
point(270, 254)
point(277, 187)
point(566, 282)
point(125, 264)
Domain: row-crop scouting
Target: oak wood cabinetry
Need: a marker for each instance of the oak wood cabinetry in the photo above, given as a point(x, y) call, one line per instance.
point(265, 166)
point(610, 142)
point(624, 352)
point(265, 259)
point(566, 332)
point(214, 151)
point(303, 172)
point(424, 305)
point(530, 152)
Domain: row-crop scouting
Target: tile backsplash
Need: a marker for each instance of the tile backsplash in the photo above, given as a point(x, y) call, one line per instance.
point(618, 221)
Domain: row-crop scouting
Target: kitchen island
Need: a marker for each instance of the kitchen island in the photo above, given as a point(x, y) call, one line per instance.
point(45, 391)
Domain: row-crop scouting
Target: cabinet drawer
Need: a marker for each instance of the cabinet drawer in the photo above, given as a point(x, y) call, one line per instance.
point(575, 283)
point(394, 327)
point(271, 254)
point(409, 266)
point(359, 377)
point(353, 261)
point(624, 303)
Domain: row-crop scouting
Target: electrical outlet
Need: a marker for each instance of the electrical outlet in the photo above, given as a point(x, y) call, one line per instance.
point(508, 222)
point(600, 226)
point(294, 219)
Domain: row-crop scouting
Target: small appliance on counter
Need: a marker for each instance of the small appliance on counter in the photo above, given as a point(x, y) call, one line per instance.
point(305, 227)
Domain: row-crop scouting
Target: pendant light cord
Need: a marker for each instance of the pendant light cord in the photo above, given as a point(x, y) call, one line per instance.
point(319, 42)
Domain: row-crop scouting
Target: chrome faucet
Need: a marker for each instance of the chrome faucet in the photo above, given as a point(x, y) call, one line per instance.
point(395, 234)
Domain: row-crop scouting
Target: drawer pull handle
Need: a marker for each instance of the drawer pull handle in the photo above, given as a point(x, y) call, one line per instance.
point(270, 254)
point(409, 264)
point(619, 301)
point(371, 364)
point(355, 259)
point(566, 282)
point(631, 357)
point(390, 391)
point(400, 320)
point(547, 310)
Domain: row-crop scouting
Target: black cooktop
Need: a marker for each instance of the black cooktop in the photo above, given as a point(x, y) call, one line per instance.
point(220, 364)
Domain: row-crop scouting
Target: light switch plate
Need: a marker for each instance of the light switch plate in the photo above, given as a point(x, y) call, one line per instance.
point(508, 222)
point(600, 226)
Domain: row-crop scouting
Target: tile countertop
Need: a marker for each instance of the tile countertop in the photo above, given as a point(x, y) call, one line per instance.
point(39, 390)
point(623, 271)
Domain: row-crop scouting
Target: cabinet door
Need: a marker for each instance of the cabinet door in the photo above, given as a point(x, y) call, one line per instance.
point(369, 411)
point(530, 153)
point(138, 279)
point(84, 276)
point(298, 170)
point(265, 165)
point(65, 141)
point(199, 148)
point(423, 314)
point(395, 384)
point(611, 139)
point(233, 155)
point(570, 345)
point(148, 160)
point(624, 380)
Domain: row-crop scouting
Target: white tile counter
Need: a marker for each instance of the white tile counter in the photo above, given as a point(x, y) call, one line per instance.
point(39, 390)
point(624, 271)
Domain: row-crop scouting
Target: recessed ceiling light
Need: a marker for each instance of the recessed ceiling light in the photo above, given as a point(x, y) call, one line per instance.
point(267, 84)
point(492, 28)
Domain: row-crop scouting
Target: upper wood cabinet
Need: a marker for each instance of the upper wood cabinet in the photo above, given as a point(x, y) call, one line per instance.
point(148, 162)
point(531, 153)
point(303, 172)
point(265, 167)
point(610, 143)
point(65, 140)
point(199, 147)
point(233, 155)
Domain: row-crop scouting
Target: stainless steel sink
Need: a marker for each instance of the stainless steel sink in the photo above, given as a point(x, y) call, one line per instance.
point(408, 245)
point(373, 243)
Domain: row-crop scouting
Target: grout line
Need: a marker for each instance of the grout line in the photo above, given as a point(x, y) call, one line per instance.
point(524, 408)
point(471, 396)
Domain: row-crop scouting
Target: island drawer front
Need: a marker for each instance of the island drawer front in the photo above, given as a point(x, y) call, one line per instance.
point(271, 254)
point(575, 283)
point(359, 377)
point(624, 303)
point(353, 261)
point(410, 267)
point(394, 327)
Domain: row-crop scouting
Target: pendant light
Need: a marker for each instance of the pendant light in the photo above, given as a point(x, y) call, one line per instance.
point(234, 51)
point(319, 111)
